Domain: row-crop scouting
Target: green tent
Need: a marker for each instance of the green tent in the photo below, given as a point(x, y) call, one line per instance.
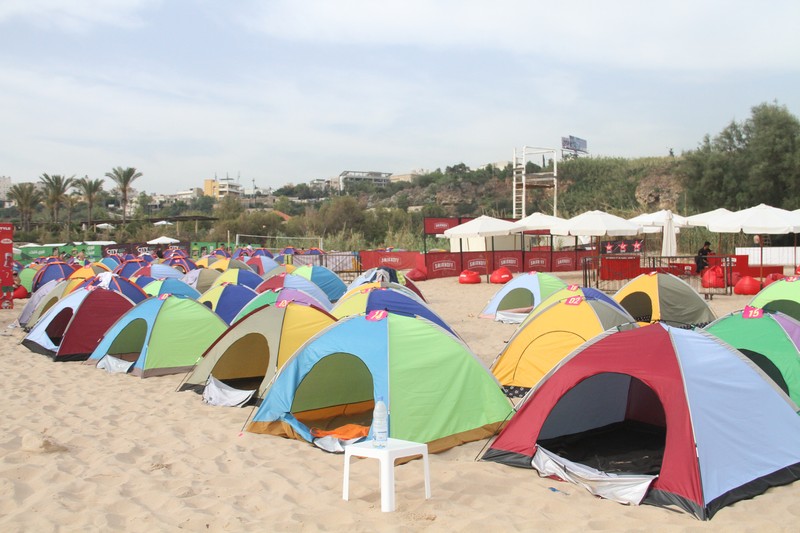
point(782, 295)
point(770, 341)
point(165, 335)
point(436, 389)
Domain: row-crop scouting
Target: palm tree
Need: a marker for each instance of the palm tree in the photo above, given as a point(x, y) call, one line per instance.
point(123, 177)
point(55, 192)
point(27, 197)
point(71, 201)
point(89, 190)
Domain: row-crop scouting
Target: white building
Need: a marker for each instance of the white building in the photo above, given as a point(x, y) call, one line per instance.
point(5, 186)
point(381, 179)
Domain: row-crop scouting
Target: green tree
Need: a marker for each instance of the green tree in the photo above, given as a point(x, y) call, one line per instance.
point(89, 190)
point(27, 197)
point(124, 177)
point(71, 201)
point(55, 192)
point(747, 163)
point(229, 208)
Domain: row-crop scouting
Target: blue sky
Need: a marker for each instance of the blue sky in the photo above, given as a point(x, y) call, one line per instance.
point(288, 91)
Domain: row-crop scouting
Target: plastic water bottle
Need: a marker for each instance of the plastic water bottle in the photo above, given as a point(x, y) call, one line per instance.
point(380, 424)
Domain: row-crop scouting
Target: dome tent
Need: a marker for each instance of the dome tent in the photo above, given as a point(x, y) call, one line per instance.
point(519, 296)
point(782, 295)
point(692, 410)
point(72, 328)
point(550, 335)
point(335, 378)
point(662, 297)
point(164, 335)
point(242, 361)
point(771, 341)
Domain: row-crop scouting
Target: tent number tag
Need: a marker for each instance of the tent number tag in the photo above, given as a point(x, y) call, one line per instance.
point(282, 303)
point(574, 300)
point(377, 315)
point(752, 312)
point(792, 278)
point(573, 288)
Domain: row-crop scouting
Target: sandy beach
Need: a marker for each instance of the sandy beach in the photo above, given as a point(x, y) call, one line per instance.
point(83, 450)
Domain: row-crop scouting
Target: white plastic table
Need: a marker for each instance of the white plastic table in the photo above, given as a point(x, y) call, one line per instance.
point(395, 449)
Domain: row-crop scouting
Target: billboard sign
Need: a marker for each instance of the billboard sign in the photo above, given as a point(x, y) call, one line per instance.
point(576, 144)
point(6, 265)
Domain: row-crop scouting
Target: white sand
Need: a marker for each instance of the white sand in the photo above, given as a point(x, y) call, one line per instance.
point(81, 450)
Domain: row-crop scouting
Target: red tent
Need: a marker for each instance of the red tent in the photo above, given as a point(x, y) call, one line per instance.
point(658, 401)
point(98, 312)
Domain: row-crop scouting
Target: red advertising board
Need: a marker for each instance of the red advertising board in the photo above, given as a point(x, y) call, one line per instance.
point(6, 265)
point(395, 260)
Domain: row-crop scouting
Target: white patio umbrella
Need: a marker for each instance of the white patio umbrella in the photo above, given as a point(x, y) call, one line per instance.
point(669, 244)
point(758, 220)
point(655, 222)
point(537, 222)
point(105, 226)
point(162, 223)
point(704, 219)
point(164, 240)
point(596, 224)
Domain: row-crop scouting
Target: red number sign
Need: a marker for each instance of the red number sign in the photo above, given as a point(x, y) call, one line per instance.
point(752, 312)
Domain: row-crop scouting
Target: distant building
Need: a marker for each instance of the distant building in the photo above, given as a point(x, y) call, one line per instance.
point(221, 188)
point(381, 179)
point(320, 184)
point(408, 176)
point(5, 186)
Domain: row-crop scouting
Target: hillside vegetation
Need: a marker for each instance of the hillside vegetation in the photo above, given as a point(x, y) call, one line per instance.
point(747, 163)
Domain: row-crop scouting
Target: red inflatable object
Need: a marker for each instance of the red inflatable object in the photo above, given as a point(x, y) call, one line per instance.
point(712, 278)
point(772, 277)
point(416, 274)
point(501, 275)
point(468, 277)
point(747, 285)
point(20, 293)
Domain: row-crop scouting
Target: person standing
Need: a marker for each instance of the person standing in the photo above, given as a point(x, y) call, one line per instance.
point(701, 259)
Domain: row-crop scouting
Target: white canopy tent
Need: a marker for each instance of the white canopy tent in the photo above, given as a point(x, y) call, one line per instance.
point(485, 228)
point(164, 240)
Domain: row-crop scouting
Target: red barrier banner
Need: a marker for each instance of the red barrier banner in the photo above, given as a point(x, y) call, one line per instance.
point(443, 265)
point(509, 259)
point(617, 267)
point(6, 265)
point(395, 260)
point(537, 261)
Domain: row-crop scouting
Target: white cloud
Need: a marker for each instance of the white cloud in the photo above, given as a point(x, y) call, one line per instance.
point(679, 34)
point(74, 15)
